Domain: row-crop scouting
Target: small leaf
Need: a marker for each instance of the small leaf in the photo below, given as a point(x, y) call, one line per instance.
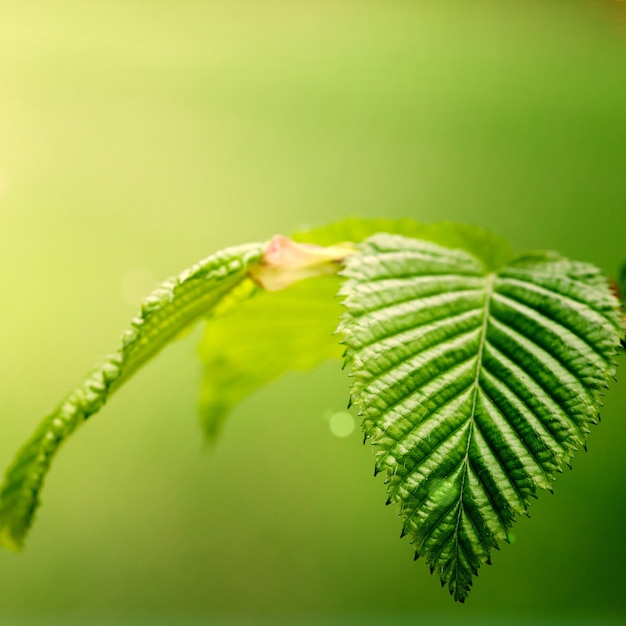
point(475, 383)
point(492, 250)
point(171, 308)
point(263, 338)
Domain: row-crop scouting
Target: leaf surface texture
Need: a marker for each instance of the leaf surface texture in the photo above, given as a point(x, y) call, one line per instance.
point(475, 384)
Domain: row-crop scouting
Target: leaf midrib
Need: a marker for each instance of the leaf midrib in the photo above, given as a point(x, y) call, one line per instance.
point(489, 283)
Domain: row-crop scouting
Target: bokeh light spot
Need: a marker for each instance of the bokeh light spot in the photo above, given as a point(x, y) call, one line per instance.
point(341, 424)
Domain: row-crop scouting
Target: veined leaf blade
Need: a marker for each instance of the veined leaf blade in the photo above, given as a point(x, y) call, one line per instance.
point(476, 384)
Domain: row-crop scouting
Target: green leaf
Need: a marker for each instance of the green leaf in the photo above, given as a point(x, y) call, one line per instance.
point(264, 337)
point(490, 249)
point(274, 333)
point(475, 383)
point(176, 304)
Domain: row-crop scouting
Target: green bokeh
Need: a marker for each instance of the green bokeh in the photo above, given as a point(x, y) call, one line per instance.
point(137, 137)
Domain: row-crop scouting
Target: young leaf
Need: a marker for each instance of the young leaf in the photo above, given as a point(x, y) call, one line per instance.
point(263, 338)
point(476, 384)
point(176, 304)
point(492, 250)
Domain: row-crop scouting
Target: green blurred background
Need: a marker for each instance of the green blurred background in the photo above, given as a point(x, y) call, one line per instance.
point(137, 137)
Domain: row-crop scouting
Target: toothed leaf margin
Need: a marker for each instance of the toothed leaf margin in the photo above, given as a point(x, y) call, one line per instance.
point(475, 385)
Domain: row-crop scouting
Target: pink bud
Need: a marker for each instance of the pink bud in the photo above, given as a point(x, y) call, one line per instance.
point(285, 262)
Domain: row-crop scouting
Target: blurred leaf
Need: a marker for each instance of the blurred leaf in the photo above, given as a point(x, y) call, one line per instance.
point(475, 386)
point(169, 310)
point(493, 251)
point(264, 337)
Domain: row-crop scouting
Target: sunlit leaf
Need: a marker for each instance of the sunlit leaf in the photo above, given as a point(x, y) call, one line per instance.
point(476, 385)
point(170, 309)
point(263, 338)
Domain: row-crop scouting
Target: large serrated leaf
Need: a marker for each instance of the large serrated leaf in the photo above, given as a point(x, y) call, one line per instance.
point(475, 385)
